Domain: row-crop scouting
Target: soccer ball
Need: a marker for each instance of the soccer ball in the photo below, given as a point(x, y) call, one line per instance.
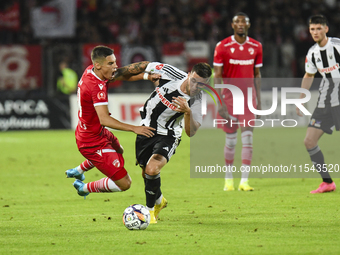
point(136, 217)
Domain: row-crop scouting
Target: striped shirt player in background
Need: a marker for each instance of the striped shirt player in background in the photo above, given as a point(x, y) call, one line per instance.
point(176, 97)
point(96, 143)
point(322, 57)
point(238, 58)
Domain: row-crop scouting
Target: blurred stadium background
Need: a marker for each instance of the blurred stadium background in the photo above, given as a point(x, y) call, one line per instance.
point(36, 35)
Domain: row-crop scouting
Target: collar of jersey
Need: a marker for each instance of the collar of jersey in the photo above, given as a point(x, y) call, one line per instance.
point(94, 74)
point(233, 39)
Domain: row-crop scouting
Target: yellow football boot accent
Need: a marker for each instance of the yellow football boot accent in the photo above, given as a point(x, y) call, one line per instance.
point(152, 217)
point(159, 207)
point(229, 185)
point(244, 186)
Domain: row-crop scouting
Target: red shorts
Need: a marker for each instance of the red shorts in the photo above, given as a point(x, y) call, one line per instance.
point(105, 157)
point(244, 120)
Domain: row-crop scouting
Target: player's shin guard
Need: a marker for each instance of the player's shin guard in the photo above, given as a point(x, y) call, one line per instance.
point(152, 189)
point(159, 194)
point(229, 152)
point(318, 160)
point(247, 153)
point(102, 185)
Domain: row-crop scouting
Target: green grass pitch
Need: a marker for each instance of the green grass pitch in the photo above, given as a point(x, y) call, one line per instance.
point(41, 213)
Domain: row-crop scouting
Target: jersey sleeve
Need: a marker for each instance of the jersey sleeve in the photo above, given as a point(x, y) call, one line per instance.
point(196, 110)
point(151, 67)
point(218, 58)
point(309, 65)
point(259, 57)
point(167, 72)
point(99, 95)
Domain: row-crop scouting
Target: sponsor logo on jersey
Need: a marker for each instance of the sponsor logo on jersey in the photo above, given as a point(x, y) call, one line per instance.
point(101, 95)
point(241, 62)
point(159, 67)
point(232, 50)
point(251, 51)
point(329, 69)
point(164, 100)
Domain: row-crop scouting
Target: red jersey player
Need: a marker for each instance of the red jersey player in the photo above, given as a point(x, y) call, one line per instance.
point(235, 57)
point(97, 144)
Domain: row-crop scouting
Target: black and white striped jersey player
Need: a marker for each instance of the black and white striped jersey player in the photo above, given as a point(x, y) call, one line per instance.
point(323, 57)
point(160, 112)
point(165, 110)
point(326, 61)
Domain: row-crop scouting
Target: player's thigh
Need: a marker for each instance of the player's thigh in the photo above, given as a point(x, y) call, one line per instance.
point(322, 119)
point(247, 121)
point(144, 149)
point(163, 149)
point(107, 161)
point(112, 164)
point(335, 112)
point(248, 128)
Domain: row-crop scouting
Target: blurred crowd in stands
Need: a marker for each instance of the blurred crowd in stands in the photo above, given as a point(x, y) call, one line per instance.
point(281, 25)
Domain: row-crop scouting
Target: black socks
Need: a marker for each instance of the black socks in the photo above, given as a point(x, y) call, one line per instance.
point(318, 161)
point(152, 189)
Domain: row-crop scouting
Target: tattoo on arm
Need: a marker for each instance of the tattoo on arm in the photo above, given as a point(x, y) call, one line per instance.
point(132, 69)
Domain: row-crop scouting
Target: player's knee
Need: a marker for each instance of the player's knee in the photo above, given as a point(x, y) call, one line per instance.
point(155, 164)
point(247, 138)
point(152, 170)
point(125, 185)
point(231, 140)
point(309, 143)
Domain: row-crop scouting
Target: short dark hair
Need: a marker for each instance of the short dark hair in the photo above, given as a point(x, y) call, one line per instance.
point(318, 19)
point(241, 14)
point(202, 69)
point(99, 52)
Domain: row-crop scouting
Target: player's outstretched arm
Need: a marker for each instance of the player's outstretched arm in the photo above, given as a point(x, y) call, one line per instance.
point(107, 121)
point(306, 83)
point(135, 72)
point(153, 77)
point(126, 72)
